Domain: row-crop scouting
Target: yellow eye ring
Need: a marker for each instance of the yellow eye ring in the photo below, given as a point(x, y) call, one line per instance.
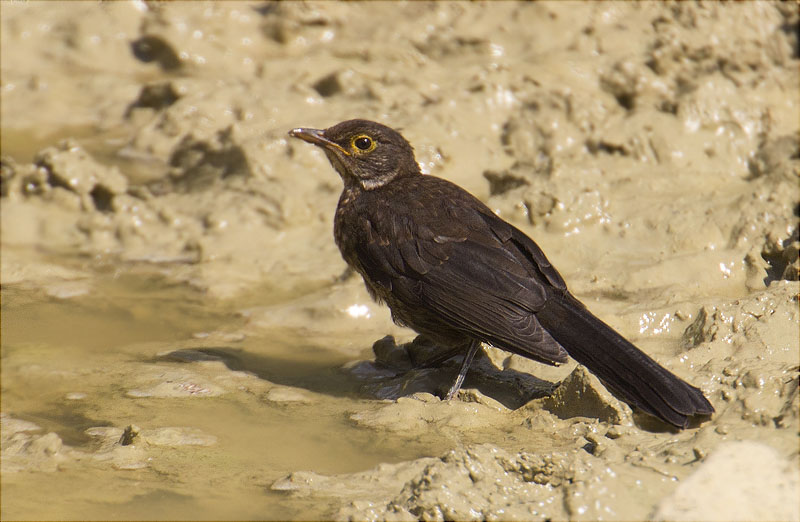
point(362, 143)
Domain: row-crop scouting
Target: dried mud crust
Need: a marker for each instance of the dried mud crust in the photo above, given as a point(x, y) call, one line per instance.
point(650, 149)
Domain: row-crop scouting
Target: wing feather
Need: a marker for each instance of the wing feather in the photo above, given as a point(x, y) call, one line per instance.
point(475, 276)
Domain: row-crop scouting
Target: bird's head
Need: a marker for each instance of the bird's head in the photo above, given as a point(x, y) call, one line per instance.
point(363, 152)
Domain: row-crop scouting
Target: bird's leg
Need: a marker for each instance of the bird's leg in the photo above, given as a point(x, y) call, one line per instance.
point(462, 372)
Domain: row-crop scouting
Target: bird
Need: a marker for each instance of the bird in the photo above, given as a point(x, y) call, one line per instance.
point(454, 271)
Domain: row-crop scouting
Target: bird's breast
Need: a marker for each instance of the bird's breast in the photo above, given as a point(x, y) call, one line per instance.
point(345, 222)
point(350, 228)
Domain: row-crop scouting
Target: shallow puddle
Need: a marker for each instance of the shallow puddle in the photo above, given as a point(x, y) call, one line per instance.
point(91, 366)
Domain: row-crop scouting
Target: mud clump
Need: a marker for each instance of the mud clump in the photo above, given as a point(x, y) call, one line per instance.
point(581, 394)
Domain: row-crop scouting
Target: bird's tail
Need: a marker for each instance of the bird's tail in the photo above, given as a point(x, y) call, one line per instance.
point(621, 366)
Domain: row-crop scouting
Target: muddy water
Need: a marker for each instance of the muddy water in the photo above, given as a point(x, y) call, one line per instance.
point(73, 375)
point(180, 338)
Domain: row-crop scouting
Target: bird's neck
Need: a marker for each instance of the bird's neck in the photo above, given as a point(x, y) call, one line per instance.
point(372, 183)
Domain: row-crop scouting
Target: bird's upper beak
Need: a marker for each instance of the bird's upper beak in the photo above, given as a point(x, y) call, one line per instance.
point(317, 137)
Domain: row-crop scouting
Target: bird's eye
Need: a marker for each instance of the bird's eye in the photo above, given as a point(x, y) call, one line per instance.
point(363, 143)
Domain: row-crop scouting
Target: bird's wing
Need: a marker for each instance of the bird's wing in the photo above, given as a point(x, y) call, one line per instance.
point(464, 264)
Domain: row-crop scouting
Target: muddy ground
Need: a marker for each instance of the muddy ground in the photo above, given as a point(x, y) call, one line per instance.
point(180, 338)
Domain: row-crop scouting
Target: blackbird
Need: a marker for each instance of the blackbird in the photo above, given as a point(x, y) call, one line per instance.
point(452, 270)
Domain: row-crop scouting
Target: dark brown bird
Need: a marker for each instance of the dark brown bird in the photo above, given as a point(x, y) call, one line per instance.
point(451, 269)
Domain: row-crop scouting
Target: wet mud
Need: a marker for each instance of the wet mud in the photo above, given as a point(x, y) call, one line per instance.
point(181, 338)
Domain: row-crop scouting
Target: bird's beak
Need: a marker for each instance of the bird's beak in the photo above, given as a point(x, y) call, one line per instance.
point(317, 137)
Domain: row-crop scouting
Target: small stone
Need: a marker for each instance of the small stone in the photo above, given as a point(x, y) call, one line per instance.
point(128, 435)
point(699, 453)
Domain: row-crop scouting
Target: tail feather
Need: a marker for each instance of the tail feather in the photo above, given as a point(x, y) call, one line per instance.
point(620, 365)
